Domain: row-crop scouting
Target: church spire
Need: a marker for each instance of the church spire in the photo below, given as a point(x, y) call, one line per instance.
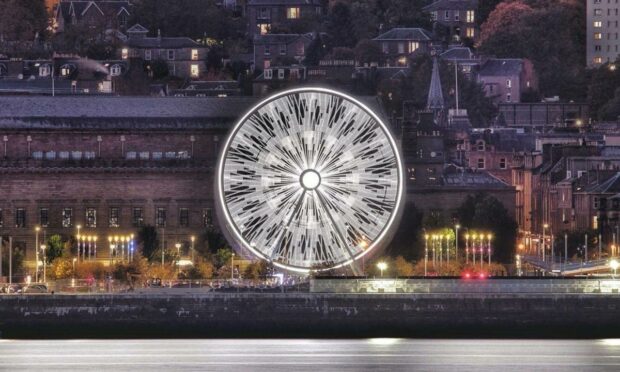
point(435, 93)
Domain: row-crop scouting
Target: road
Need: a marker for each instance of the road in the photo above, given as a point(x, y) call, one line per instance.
point(311, 355)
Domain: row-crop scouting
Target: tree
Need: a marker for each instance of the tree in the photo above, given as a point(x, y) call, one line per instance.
point(602, 86)
point(223, 257)
point(403, 267)
point(611, 110)
point(256, 270)
point(149, 241)
point(368, 52)
point(214, 58)
point(17, 261)
point(214, 241)
point(484, 10)
point(316, 51)
point(22, 20)
point(339, 26)
point(55, 248)
point(485, 212)
point(160, 69)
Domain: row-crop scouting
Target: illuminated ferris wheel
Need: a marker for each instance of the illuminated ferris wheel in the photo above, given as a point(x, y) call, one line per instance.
point(310, 179)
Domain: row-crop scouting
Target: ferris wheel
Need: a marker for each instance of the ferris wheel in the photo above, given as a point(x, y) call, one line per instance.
point(310, 179)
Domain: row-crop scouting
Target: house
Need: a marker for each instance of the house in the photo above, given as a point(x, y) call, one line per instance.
point(185, 57)
point(276, 78)
point(98, 16)
point(279, 48)
point(506, 79)
point(399, 44)
point(458, 17)
point(220, 89)
point(279, 16)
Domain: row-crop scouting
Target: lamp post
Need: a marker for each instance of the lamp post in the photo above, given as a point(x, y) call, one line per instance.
point(95, 247)
point(178, 247)
point(489, 237)
point(425, 254)
point(434, 240)
point(131, 247)
point(456, 242)
point(192, 239)
point(382, 266)
point(44, 263)
point(544, 242)
point(36, 244)
point(565, 250)
point(614, 264)
point(473, 247)
point(586, 246)
point(74, 259)
point(466, 247)
point(232, 266)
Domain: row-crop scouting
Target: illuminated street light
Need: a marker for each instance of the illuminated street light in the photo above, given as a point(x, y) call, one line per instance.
point(614, 264)
point(456, 242)
point(74, 259)
point(36, 244)
point(44, 263)
point(425, 254)
point(382, 266)
point(193, 238)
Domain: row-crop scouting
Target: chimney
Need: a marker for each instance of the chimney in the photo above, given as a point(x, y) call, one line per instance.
point(159, 34)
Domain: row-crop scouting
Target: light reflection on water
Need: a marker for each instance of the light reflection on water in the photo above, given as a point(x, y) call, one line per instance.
point(376, 354)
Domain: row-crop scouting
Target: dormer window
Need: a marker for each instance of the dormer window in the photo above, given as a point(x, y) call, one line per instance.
point(125, 53)
point(194, 54)
point(116, 70)
point(480, 145)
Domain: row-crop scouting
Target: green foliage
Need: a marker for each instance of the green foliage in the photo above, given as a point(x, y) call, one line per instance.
point(602, 91)
point(316, 51)
point(256, 270)
point(339, 26)
point(149, 241)
point(611, 110)
point(484, 212)
point(17, 259)
point(213, 240)
point(55, 248)
point(222, 257)
point(368, 52)
point(21, 20)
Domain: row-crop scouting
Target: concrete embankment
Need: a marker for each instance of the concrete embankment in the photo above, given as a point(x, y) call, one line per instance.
point(311, 315)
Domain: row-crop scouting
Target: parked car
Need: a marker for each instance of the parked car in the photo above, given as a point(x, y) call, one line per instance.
point(11, 288)
point(35, 288)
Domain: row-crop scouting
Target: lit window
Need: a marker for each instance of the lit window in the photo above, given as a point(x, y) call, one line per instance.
point(595, 222)
point(125, 53)
point(471, 16)
point(470, 32)
point(402, 61)
point(266, 64)
point(598, 24)
point(598, 36)
point(292, 13)
point(67, 217)
point(91, 217)
point(114, 218)
point(598, 60)
point(264, 28)
point(195, 71)
point(194, 54)
point(413, 46)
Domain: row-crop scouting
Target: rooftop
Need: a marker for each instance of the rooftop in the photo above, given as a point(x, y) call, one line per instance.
point(415, 34)
point(501, 67)
point(451, 5)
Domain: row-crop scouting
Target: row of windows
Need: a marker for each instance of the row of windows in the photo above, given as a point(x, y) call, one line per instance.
point(599, 24)
point(598, 48)
point(114, 217)
point(170, 54)
point(470, 16)
point(599, 12)
point(599, 36)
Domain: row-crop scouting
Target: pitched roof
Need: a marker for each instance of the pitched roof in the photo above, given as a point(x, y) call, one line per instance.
point(610, 185)
point(451, 5)
point(400, 33)
point(280, 38)
point(106, 7)
point(501, 67)
point(457, 53)
point(163, 42)
point(137, 28)
point(435, 94)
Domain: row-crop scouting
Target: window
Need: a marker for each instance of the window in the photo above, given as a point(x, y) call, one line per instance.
point(266, 64)
point(401, 48)
point(148, 55)
point(160, 217)
point(115, 216)
point(502, 163)
point(385, 47)
point(480, 145)
point(508, 83)
point(446, 15)
point(598, 24)
point(301, 50)
point(597, 48)
point(67, 217)
point(292, 13)
point(264, 28)
point(184, 217)
point(283, 49)
point(45, 70)
point(595, 222)
point(598, 60)
point(44, 217)
point(194, 54)
point(267, 50)
point(411, 173)
point(598, 12)
point(480, 164)
point(124, 53)
point(598, 36)
point(194, 71)
point(433, 16)
point(207, 217)
point(470, 32)
point(20, 217)
point(471, 16)
point(91, 217)
point(413, 46)
point(264, 13)
point(115, 70)
point(122, 20)
point(171, 55)
point(596, 202)
point(457, 15)
point(137, 217)
point(281, 74)
point(268, 74)
point(508, 97)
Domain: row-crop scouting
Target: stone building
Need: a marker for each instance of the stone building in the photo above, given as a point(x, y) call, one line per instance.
point(506, 79)
point(96, 16)
point(458, 17)
point(279, 49)
point(399, 44)
point(602, 25)
point(266, 16)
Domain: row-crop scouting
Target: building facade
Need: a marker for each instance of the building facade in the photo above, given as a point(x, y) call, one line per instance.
point(603, 30)
point(400, 44)
point(278, 49)
point(281, 16)
point(96, 16)
point(458, 17)
point(506, 79)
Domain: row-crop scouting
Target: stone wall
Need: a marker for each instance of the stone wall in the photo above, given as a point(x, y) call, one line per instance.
point(310, 315)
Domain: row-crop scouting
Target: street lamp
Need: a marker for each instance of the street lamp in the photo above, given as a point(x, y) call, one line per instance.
point(473, 246)
point(489, 237)
point(614, 264)
point(456, 242)
point(232, 266)
point(425, 254)
point(74, 259)
point(44, 263)
point(178, 247)
point(36, 244)
point(466, 247)
point(382, 266)
point(193, 238)
point(544, 242)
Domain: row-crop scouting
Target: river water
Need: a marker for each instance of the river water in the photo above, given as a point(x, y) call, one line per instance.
point(310, 355)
